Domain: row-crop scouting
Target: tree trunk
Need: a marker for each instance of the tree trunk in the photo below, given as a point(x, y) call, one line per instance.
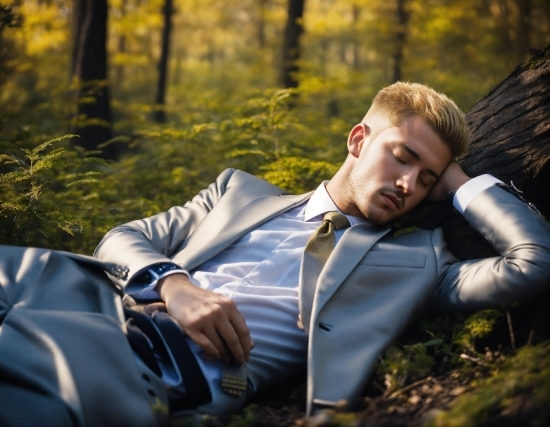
point(291, 44)
point(401, 36)
point(79, 13)
point(511, 140)
point(159, 113)
point(261, 23)
point(89, 69)
point(121, 48)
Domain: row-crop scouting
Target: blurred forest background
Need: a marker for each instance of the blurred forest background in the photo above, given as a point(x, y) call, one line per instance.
point(181, 89)
point(165, 94)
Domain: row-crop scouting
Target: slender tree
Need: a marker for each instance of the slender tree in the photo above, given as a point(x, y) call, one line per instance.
point(261, 23)
point(159, 114)
point(121, 48)
point(89, 71)
point(291, 44)
point(401, 36)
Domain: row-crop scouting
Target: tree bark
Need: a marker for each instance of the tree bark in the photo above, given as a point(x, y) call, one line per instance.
point(291, 44)
point(511, 140)
point(121, 48)
point(79, 12)
point(261, 23)
point(159, 113)
point(89, 69)
point(401, 36)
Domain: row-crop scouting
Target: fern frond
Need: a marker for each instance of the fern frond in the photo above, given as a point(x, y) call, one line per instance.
point(15, 176)
point(82, 181)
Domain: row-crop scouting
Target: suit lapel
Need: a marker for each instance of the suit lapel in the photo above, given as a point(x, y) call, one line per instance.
point(352, 247)
point(232, 217)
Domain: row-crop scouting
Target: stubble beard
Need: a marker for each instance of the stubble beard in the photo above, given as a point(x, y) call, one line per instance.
point(375, 213)
point(368, 208)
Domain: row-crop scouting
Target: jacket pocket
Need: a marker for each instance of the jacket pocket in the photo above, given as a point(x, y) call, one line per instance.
point(394, 259)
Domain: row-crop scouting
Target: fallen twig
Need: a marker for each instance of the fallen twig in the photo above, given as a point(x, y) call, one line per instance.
point(409, 387)
point(511, 329)
point(473, 359)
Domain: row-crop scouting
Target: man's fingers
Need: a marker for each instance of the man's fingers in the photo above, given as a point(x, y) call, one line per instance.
point(205, 344)
point(216, 337)
point(225, 338)
point(243, 335)
point(233, 343)
point(211, 320)
point(155, 306)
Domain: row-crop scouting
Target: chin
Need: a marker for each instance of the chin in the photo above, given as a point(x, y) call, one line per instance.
point(378, 217)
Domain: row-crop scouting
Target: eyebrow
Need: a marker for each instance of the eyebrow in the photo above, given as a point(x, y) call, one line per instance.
point(417, 157)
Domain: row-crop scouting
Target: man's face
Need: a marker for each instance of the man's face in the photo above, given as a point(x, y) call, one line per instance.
point(394, 170)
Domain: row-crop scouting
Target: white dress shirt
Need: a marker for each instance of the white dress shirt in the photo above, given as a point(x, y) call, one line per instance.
point(260, 273)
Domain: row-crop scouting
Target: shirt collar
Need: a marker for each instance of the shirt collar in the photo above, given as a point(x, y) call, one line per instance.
point(321, 203)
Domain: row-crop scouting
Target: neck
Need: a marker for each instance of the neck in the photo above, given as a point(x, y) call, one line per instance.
point(338, 189)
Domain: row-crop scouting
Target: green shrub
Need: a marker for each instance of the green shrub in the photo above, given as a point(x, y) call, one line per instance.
point(43, 192)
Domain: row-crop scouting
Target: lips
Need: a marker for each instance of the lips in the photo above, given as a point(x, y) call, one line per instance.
point(394, 201)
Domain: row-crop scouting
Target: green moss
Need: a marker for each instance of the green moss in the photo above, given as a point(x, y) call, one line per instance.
point(517, 393)
point(400, 364)
point(476, 326)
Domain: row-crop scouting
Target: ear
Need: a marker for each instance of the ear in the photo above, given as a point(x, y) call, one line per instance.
point(357, 138)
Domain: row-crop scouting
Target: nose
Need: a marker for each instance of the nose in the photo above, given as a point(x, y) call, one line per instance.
point(407, 183)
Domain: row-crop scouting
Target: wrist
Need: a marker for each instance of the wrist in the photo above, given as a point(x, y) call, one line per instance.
point(454, 178)
point(169, 284)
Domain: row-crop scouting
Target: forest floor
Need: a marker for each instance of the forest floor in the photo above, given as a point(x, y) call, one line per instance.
point(498, 386)
point(414, 405)
point(411, 406)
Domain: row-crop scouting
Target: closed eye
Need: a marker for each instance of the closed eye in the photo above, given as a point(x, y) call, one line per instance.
point(400, 160)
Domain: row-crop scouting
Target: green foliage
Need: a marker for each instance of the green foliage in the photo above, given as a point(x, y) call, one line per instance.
point(254, 136)
point(40, 190)
point(449, 336)
point(474, 327)
point(298, 174)
point(224, 112)
point(517, 393)
point(405, 363)
point(247, 417)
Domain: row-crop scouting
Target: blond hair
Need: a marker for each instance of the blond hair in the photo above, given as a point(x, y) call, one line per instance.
point(402, 100)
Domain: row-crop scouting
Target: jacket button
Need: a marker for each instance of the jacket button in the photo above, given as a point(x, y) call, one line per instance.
point(146, 377)
point(151, 393)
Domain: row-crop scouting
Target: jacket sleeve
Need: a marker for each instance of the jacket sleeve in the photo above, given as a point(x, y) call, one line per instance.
point(519, 235)
point(141, 243)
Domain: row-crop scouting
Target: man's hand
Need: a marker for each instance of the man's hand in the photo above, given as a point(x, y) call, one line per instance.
point(453, 178)
point(211, 320)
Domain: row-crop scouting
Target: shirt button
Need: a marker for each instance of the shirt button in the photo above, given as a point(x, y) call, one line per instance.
point(245, 282)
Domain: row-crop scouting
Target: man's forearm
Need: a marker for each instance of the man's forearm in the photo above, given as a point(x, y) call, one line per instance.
point(519, 235)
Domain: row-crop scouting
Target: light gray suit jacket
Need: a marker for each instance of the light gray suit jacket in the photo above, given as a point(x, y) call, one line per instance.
point(64, 357)
point(373, 284)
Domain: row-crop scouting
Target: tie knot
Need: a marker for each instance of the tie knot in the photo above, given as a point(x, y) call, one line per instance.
point(338, 219)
